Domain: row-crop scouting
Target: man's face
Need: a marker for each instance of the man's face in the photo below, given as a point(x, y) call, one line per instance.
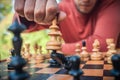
point(85, 6)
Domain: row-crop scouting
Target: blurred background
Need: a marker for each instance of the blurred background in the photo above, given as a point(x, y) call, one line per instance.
point(6, 15)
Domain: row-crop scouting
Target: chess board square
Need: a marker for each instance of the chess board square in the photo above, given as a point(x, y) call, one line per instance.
point(95, 62)
point(107, 67)
point(108, 78)
point(48, 70)
point(40, 76)
point(93, 72)
point(81, 65)
point(107, 73)
point(105, 62)
point(42, 65)
point(32, 69)
point(60, 77)
point(91, 78)
point(83, 62)
point(93, 67)
point(62, 71)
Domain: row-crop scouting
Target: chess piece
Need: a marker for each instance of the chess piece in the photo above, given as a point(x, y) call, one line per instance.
point(84, 54)
point(10, 66)
point(96, 55)
point(116, 66)
point(77, 50)
point(40, 57)
point(53, 44)
point(35, 50)
point(111, 49)
point(23, 52)
point(109, 41)
point(75, 67)
point(110, 52)
point(27, 54)
point(17, 61)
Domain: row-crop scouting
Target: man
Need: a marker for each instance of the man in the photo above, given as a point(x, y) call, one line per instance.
point(79, 19)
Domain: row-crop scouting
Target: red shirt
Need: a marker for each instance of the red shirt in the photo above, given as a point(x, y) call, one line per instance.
point(102, 23)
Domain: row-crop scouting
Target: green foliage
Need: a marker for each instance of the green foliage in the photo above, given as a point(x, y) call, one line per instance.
point(5, 8)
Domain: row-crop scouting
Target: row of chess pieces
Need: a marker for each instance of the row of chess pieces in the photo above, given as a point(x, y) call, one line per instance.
point(96, 54)
point(37, 56)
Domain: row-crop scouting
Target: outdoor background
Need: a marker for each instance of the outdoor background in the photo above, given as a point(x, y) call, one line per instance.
point(6, 15)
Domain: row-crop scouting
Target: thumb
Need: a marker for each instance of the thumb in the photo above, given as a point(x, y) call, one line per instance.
point(62, 15)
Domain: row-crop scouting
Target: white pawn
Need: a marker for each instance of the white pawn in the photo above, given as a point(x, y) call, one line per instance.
point(96, 55)
point(84, 54)
point(77, 50)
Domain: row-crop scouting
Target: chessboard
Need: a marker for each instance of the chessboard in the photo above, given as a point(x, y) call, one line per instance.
point(93, 70)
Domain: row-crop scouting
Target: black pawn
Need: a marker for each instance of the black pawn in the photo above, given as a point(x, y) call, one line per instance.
point(116, 66)
point(10, 66)
point(75, 67)
point(17, 61)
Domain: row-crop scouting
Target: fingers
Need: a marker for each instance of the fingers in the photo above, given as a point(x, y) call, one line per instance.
point(40, 11)
point(19, 7)
point(40, 8)
point(51, 10)
point(29, 9)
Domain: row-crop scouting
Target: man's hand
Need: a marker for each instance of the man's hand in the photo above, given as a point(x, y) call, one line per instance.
point(40, 11)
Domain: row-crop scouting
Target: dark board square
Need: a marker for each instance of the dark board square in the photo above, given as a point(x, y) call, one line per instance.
point(83, 62)
point(90, 78)
point(93, 67)
point(40, 76)
point(107, 73)
point(105, 62)
point(62, 71)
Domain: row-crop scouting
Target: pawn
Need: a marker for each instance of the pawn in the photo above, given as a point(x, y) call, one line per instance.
point(84, 54)
point(35, 51)
point(116, 66)
point(96, 55)
point(77, 50)
point(23, 52)
point(40, 57)
point(27, 54)
point(75, 67)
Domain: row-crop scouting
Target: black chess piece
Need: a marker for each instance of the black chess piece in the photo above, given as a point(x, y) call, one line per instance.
point(84, 43)
point(56, 59)
point(10, 66)
point(75, 70)
point(116, 66)
point(17, 61)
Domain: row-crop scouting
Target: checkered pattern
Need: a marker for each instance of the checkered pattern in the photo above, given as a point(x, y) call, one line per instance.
point(93, 70)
